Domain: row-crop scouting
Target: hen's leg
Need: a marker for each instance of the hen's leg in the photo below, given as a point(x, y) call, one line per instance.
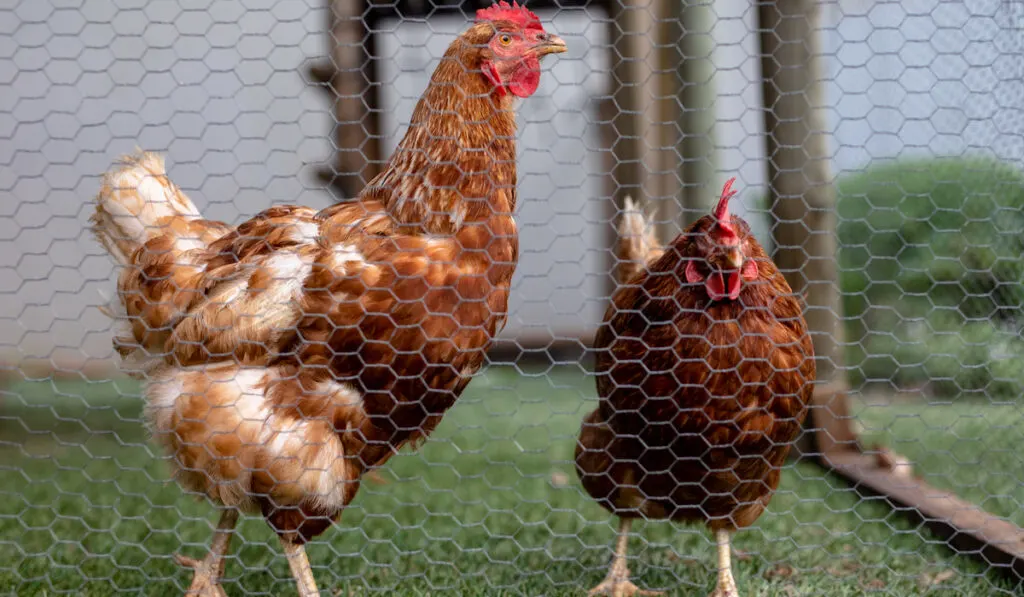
point(208, 571)
point(617, 583)
point(299, 564)
point(726, 586)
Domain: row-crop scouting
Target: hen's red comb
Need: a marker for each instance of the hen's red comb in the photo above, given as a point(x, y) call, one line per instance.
point(727, 233)
point(503, 11)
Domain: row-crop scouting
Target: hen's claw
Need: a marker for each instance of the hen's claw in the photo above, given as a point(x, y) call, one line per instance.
point(725, 592)
point(726, 587)
point(617, 584)
point(620, 587)
point(206, 580)
point(208, 571)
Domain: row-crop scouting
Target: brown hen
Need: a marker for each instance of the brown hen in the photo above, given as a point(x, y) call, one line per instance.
point(704, 373)
point(287, 356)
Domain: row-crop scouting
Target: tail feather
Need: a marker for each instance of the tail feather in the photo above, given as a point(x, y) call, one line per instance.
point(137, 202)
point(637, 246)
point(139, 208)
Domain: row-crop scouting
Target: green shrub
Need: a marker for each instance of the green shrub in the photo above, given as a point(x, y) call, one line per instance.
point(932, 273)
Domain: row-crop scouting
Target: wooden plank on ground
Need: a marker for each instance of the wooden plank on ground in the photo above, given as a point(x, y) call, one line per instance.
point(966, 528)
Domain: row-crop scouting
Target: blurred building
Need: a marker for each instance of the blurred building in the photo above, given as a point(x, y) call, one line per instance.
point(220, 89)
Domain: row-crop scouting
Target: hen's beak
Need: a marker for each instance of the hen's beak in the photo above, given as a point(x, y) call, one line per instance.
point(734, 258)
point(551, 45)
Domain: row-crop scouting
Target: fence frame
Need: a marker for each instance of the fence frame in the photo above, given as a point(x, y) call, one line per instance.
point(832, 440)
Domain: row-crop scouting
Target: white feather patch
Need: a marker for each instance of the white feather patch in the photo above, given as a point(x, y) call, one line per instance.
point(162, 395)
point(347, 253)
point(305, 232)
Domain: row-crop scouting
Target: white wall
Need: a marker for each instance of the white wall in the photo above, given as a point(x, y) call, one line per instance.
point(216, 87)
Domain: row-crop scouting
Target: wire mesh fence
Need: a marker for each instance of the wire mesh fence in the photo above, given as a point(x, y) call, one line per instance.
point(285, 364)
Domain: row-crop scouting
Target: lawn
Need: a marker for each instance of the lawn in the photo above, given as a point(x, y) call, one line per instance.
point(489, 506)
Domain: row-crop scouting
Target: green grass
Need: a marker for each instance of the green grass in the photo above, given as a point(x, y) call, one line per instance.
point(490, 506)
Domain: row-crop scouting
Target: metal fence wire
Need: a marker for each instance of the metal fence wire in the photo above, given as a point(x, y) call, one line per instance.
point(625, 402)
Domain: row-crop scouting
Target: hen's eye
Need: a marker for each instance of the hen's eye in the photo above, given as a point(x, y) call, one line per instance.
point(505, 39)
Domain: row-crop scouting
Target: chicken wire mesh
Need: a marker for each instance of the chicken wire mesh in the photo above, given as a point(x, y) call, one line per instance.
point(921, 107)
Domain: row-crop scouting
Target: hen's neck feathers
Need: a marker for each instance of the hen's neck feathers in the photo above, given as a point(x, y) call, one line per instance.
point(456, 163)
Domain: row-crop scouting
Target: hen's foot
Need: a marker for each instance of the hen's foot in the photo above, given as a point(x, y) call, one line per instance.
point(206, 579)
point(617, 584)
point(726, 587)
point(621, 588)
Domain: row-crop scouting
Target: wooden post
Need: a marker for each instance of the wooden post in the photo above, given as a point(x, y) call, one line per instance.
point(663, 121)
point(351, 78)
point(622, 111)
point(630, 73)
point(660, 91)
point(802, 196)
point(645, 110)
point(695, 73)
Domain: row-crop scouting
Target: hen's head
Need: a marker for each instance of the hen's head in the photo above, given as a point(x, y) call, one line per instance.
point(722, 252)
point(506, 44)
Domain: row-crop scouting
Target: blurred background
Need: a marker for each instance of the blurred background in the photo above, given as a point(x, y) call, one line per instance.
point(878, 147)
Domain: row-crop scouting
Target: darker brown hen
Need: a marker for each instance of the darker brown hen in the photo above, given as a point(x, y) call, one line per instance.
point(704, 372)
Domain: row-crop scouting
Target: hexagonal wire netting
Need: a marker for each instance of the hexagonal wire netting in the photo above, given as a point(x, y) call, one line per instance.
point(916, 112)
